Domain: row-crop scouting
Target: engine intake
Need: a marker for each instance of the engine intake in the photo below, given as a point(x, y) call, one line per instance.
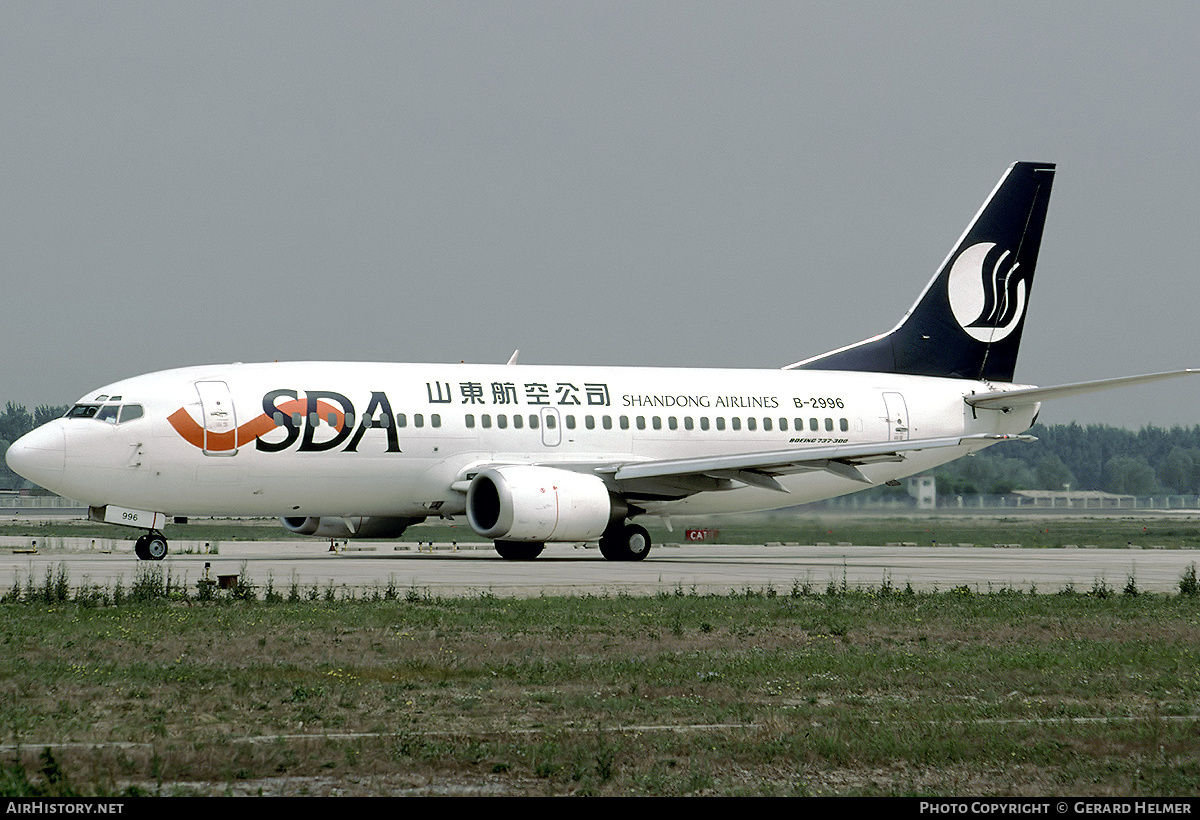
point(526, 503)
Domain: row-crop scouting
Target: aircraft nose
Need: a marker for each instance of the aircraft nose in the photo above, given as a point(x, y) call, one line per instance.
point(39, 455)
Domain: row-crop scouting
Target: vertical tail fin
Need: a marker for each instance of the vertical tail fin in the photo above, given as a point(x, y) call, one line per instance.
point(968, 321)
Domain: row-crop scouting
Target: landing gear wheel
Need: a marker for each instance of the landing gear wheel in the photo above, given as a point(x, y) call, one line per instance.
point(519, 550)
point(628, 543)
point(151, 547)
point(156, 547)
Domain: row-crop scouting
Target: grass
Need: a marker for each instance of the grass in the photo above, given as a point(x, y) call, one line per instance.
point(159, 689)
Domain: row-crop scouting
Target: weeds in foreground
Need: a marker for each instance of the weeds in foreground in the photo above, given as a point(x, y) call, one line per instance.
point(153, 583)
point(53, 781)
point(1187, 584)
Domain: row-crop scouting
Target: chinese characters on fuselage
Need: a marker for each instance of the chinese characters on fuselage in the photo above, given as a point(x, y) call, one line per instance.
point(592, 394)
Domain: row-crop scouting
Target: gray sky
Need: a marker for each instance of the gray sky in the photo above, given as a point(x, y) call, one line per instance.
point(677, 184)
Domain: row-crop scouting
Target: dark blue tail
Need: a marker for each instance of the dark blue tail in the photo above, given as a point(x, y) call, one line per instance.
point(968, 322)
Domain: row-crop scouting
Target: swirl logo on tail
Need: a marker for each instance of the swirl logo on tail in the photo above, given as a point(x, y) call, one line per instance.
point(986, 296)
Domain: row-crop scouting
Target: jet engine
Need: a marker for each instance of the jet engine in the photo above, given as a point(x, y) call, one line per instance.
point(374, 526)
point(527, 503)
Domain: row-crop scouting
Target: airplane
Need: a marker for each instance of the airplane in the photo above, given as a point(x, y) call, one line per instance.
point(547, 453)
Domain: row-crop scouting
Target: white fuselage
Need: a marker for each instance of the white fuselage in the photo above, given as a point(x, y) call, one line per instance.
point(311, 438)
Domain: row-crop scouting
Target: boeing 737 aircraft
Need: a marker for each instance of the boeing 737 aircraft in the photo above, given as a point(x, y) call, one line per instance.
point(535, 454)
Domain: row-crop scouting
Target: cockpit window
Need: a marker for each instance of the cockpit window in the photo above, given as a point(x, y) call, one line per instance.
point(112, 413)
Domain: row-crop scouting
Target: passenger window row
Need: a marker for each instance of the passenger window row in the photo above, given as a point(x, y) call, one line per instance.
point(767, 424)
point(115, 413)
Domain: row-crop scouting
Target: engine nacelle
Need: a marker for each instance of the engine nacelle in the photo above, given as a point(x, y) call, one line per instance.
point(526, 503)
point(374, 526)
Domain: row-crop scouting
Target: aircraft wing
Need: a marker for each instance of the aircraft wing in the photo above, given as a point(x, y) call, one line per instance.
point(686, 476)
point(1007, 399)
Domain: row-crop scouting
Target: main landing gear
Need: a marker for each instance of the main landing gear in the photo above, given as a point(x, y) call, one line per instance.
point(151, 547)
point(625, 542)
point(519, 550)
point(620, 542)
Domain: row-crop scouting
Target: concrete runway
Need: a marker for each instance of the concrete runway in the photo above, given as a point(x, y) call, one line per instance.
point(565, 569)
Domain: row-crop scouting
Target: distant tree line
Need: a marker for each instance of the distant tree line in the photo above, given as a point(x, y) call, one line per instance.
point(15, 422)
point(1151, 461)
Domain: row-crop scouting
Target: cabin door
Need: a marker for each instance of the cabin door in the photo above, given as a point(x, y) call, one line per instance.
point(220, 421)
point(897, 416)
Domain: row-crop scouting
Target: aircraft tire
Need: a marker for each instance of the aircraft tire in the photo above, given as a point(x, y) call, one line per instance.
point(156, 546)
point(139, 548)
point(637, 542)
point(519, 550)
point(630, 543)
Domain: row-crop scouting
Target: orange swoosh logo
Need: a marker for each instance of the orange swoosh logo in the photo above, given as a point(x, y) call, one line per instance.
point(193, 433)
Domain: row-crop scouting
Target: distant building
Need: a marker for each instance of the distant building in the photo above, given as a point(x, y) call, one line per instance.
point(924, 489)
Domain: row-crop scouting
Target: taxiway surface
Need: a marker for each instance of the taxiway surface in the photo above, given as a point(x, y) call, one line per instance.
point(565, 569)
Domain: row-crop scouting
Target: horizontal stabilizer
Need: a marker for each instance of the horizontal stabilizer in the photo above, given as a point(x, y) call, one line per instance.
point(1008, 399)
